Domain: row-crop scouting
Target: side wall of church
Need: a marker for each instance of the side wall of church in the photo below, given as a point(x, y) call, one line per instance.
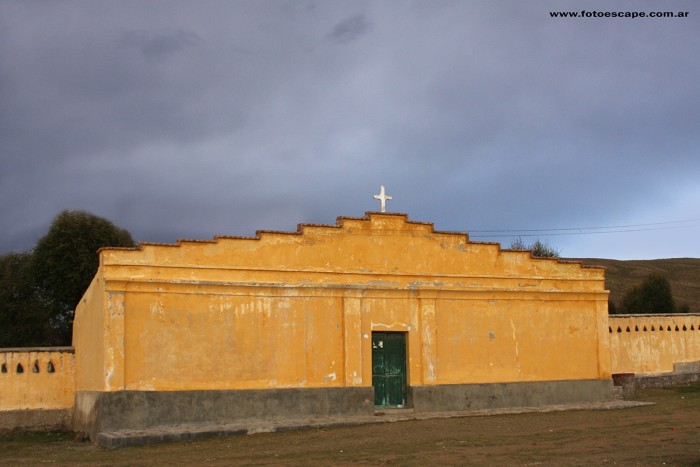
point(652, 344)
point(89, 336)
point(36, 387)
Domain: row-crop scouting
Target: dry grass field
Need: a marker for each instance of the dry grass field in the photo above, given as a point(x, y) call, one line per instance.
point(666, 433)
point(682, 273)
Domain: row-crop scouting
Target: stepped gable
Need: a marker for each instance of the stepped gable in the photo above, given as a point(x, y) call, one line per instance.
point(346, 223)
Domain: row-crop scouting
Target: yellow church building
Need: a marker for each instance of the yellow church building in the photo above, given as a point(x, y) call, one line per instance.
point(336, 320)
point(333, 320)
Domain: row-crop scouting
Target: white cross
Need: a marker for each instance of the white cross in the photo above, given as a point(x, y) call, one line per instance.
point(382, 198)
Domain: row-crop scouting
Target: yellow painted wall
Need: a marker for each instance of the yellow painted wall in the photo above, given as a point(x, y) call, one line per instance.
point(89, 336)
point(298, 309)
point(653, 343)
point(232, 341)
point(40, 378)
point(517, 340)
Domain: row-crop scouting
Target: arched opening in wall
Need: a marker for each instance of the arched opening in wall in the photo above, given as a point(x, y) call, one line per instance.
point(636, 328)
point(50, 368)
point(628, 329)
point(652, 328)
point(609, 329)
point(4, 368)
point(677, 328)
point(691, 328)
point(20, 368)
point(661, 328)
point(668, 328)
point(619, 329)
point(644, 329)
point(684, 328)
point(35, 368)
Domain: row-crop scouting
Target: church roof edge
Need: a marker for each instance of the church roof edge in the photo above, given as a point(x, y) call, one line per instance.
point(339, 224)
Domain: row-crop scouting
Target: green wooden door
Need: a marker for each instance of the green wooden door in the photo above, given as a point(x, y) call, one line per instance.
point(389, 369)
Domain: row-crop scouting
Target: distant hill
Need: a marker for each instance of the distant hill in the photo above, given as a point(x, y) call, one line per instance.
point(682, 273)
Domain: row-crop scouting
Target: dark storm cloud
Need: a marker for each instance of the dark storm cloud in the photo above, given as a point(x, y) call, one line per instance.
point(350, 29)
point(175, 119)
point(158, 46)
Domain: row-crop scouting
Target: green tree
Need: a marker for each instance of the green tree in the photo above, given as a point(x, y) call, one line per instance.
point(65, 260)
point(539, 249)
point(652, 296)
point(24, 317)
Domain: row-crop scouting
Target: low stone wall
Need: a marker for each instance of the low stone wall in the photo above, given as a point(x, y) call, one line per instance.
point(36, 419)
point(665, 380)
point(683, 373)
point(36, 388)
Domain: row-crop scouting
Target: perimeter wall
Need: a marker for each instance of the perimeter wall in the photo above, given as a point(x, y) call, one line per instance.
point(36, 388)
point(653, 344)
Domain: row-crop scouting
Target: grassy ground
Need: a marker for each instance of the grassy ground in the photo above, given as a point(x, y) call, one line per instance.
point(667, 433)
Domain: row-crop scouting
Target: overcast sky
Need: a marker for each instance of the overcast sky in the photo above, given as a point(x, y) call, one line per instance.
point(189, 119)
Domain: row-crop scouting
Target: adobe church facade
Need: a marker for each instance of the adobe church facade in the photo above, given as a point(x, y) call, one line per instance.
point(333, 320)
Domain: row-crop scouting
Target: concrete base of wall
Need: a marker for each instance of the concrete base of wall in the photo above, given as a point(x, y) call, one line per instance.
point(107, 412)
point(665, 380)
point(460, 397)
point(36, 420)
point(683, 373)
point(97, 412)
point(687, 367)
